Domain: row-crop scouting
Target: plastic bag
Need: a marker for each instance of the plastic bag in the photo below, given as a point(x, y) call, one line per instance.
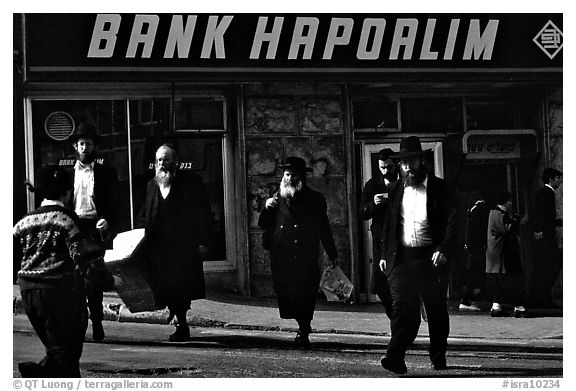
point(335, 285)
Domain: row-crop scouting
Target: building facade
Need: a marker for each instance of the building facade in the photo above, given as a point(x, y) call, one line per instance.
point(237, 94)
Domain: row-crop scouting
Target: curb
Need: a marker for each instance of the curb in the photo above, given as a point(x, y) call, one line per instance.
point(119, 313)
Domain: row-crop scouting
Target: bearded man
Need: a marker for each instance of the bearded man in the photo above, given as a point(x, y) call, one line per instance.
point(178, 225)
point(420, 228)
point(95, 186)
point(373, 206)
point(295, 222)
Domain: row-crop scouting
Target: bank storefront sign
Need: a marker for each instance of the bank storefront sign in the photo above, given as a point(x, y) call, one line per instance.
point(325, 43)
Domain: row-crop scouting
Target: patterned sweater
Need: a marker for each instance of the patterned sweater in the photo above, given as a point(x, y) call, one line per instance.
point(49, 245)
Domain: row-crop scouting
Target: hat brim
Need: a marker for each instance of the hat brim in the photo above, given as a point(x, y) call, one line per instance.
point(75, 137)
point(292, 167)
point(400, 155)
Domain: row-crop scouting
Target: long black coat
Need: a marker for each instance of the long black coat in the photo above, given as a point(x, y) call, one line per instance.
point(295, 235)
point(174, 228)
point(442, 210)
point(543, 219)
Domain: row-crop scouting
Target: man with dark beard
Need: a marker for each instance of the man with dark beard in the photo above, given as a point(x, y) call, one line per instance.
point(178, 226)
point(373, 206)
point(95, 186)
point(419, 229)
point(296, 221)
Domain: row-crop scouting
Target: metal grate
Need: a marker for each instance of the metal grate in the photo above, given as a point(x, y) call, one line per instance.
point(59, 125)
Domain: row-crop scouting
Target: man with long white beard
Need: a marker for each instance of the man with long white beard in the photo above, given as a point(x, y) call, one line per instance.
point(178, 225)
point(420, 228)
point(295, 221)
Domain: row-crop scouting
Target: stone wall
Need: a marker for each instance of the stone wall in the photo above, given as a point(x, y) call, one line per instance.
point(294, 119)
point(556, 158)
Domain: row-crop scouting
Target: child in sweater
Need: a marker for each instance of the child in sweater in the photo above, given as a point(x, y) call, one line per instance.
point(51, 252)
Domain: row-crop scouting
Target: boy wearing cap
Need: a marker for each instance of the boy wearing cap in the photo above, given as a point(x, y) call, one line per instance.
point(48, 244)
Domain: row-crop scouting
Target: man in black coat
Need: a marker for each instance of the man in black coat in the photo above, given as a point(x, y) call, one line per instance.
point(95, 186)
point(178, 224)
point(373, 206)
point(419, 229)
point(547, 256)
point(295, 222)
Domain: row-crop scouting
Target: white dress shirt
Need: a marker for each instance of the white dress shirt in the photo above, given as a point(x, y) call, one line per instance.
point(84, 190)
point(414, 217)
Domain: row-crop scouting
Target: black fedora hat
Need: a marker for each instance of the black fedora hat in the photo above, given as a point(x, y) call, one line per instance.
point(295, 163)
point(409, 147)
point(86, 131)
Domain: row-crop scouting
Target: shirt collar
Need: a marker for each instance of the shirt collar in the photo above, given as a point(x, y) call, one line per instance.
point(46, 202)
point(79, 165)
point(550, 187)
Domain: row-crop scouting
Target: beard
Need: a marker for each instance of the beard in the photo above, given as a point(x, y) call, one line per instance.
point(86, 158)
point(289, 188)
point(414, 178)
point(164, 176)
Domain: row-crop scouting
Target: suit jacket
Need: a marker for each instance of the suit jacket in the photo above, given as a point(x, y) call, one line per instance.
point(105, 193)
point(368, 209)
point(543, 216)
point(442, 211)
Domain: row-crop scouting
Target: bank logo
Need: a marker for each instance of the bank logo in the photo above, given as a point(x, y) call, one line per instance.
point(549, 39)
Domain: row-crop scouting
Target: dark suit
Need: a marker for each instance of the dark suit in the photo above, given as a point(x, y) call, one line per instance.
point(174, 228)
point(369, 210)
point(410, 271)
point(98, 279)
point(547, 256)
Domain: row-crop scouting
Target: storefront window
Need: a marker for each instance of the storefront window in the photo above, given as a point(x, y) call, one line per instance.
point(431, 115)
point(376, 114)
point(130, 149)
point(489, 115)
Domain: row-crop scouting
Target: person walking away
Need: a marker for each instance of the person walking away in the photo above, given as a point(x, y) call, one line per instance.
point(420, 228)
point(178, 224)
point(475, 246)
point(373, 206)
point(49, 246)
point(295, 222)
point(95, 186)
point(503, 265)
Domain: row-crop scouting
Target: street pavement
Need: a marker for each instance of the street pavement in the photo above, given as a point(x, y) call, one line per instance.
point(541, 332)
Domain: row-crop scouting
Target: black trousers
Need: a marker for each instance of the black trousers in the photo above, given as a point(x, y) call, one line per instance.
point(381, 286)
point(97, 278)
point(59, 318)
point(414, 277)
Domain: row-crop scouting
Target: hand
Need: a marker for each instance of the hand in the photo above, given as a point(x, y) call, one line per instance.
point(271, 202)
point(382, 265)
point(439, 259)
point(538, 235)
point(102, 225)
point(202, 250)
point(379, 198)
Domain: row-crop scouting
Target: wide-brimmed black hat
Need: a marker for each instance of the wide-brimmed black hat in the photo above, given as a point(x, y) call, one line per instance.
point(295, 163)
point(86, 131)
point(409, 147)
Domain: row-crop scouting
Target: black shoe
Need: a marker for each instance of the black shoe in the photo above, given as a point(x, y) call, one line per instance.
point(439, 364)
point(182, 334)
point(396, 366)
point(30, 369)
point(97, 331)
point(520, 314)
point(302, 340)
point(497, 313)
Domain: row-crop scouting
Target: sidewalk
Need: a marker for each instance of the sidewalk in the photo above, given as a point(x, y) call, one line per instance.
point(544, 331)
